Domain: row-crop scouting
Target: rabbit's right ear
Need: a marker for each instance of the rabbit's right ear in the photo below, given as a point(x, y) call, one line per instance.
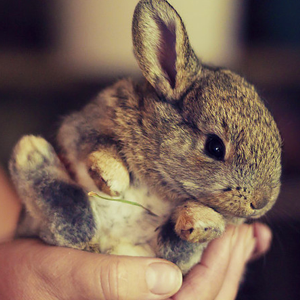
point(162, 48)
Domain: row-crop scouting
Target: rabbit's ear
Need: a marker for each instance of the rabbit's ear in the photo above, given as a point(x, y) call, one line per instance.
point(162, 48)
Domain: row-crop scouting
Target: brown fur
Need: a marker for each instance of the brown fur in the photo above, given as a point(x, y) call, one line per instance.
point(149, 140)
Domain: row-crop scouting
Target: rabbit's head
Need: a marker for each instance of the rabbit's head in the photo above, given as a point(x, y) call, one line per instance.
point(215, 140)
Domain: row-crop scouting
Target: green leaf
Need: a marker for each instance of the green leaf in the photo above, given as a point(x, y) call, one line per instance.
point(93, 194)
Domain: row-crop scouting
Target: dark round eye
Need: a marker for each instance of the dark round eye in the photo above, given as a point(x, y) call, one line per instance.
point(214, 147)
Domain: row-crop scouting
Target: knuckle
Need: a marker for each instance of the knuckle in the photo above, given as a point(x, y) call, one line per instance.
point(113, 278)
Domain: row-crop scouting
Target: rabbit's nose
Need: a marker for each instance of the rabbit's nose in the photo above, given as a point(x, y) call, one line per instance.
point(259, 203)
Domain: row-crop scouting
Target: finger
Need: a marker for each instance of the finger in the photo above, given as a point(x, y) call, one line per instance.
point(10, 209)
point(62, 273)
point(263, 237)
point(205, 280)
point(241, 252)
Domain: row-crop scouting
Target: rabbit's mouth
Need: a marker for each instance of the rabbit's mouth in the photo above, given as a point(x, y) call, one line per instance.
point(231, 206)
point(242, 214)
point(235, 201)
point(241, 202)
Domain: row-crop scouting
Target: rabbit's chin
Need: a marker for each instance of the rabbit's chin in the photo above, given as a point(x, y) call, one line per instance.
point(238, 204)
point(240, 214)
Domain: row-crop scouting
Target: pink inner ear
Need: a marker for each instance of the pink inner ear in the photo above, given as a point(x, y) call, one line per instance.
point(167, 50)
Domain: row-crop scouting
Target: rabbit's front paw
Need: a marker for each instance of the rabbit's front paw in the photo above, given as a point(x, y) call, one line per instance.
point(197, 223)
point(108, 172)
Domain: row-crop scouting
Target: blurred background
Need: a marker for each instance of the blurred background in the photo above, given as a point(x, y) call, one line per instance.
point(56, 55)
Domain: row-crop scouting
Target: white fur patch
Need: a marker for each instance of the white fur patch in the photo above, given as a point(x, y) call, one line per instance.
point(125, 229)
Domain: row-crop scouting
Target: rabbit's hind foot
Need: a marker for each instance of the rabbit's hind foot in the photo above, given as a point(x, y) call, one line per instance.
point(60, 207)
point(34, 166)
point(181, 252)
point(32, 156)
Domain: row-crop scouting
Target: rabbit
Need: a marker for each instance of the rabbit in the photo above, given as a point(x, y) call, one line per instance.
point(194, 144)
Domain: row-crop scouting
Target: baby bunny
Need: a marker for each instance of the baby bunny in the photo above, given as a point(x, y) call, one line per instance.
point(194, 145)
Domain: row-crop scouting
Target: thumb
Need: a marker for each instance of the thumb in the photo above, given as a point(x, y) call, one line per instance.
point(123, 277)
point(72, 274)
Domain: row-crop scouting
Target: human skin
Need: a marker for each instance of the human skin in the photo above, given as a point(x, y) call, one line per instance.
point(31, 270)
point(10, 208)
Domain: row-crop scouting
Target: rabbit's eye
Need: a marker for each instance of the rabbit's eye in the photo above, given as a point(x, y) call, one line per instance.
point(214, 147)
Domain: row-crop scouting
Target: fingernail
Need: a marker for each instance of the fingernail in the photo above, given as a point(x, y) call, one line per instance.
point(163, 278)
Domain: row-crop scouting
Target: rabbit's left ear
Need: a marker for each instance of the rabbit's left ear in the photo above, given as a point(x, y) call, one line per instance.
point(162, 48)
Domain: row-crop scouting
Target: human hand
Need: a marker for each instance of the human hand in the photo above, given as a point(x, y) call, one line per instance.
point(218, 275)
point(32, 270)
